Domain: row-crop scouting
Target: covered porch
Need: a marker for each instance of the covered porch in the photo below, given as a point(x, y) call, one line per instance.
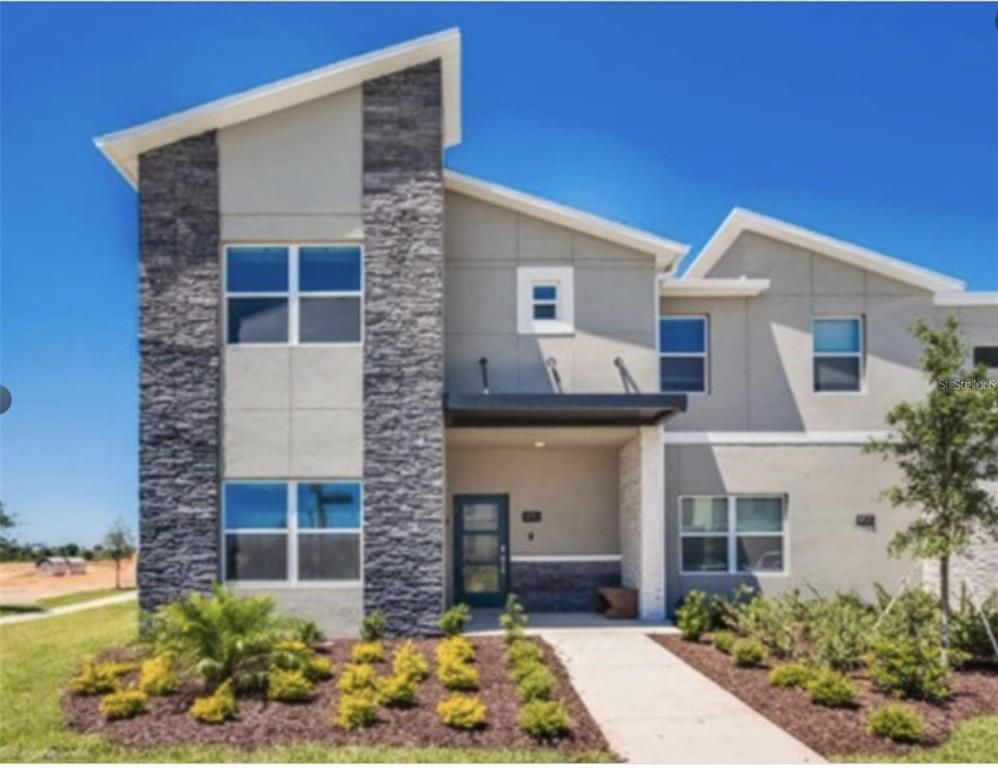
point(553, 497)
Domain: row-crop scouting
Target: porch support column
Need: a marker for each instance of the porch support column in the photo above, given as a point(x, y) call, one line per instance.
point(642, 520)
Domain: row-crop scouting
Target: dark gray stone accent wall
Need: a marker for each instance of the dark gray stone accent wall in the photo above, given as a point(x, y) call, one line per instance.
point(560, 586)
point(179, 370)
point(403, 203)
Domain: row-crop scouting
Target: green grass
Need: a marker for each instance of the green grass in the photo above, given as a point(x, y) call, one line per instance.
point(37, 657)
point(973, 741)
point(79, 597)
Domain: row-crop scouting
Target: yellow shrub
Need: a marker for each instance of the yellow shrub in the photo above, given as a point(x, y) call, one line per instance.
point(288, 685)
point(397, 691)
point(368, 653)
point(357, 677)
point(123, 704)
point(156, 676)
point(95, 677)
point(458, 676)
point(462, 712)
point(455, 649)
point(218, 707)
point(319, 668)
point(409, 662)
point(355, 710)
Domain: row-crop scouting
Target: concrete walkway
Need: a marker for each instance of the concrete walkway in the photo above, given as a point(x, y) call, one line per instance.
point(19, 618)
point(654, 708)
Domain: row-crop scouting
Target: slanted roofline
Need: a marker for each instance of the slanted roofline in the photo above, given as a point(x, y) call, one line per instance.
point(123, 148)
point(741, 220)
point(666, 252)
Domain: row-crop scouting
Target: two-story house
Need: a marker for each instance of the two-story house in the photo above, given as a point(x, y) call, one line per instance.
point(369, 382)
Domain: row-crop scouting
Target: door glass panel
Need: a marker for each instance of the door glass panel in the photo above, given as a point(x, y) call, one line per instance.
point(481, 517)
point(481, 548)
point(481, 578)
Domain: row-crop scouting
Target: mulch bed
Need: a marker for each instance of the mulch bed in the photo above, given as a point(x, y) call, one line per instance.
point(265, 723)
point(838, 731)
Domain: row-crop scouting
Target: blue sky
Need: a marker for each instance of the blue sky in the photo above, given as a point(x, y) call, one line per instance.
point(876, 124)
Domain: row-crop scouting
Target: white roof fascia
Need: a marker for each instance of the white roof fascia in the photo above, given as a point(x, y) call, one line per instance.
point(741, 220)
point(667, 252)
point(714, 287)
point(122, 148)
point(966, 299)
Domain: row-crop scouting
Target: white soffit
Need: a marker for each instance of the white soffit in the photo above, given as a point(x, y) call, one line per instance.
point(741, 220)
point(123, 148)
point(666, 252)
point(966, 299)
point(713, 287)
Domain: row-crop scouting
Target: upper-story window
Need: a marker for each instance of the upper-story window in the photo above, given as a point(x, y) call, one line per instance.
point(293, 294)
point(838, 354)
point(545, 300)
point(986, 356)
point(682, 347)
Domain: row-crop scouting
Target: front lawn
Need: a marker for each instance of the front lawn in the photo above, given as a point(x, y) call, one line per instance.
point(974, 741)
point(72, 598)
point(36, 659)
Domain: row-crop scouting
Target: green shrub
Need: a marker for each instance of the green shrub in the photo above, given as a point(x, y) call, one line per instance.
point(537, 684)
point(777, 622)
point(723, 640)
point(897, 722)
point(525, 668)
point(831, 689)
point(318, 668)
point(399, 690)
point(356, 710)
point(409, 662)
point(520, 651)
point(462, 712)
point(368, 653)
point(453, 620)
point(218, 707)
point(693, 615)
point(156, 676)
point(455, 649)
point(289, 685)
point(967, 629)
point(458, 676)
point(748, 652)
point(356, 678)
point(121, 705)
point(543, 719)
point(914, 613)
point(307, 631)
point(94, 678)
point(373, 626)
point(513, 620)
point(909, 667)
point(842, 631)
point(792, 675)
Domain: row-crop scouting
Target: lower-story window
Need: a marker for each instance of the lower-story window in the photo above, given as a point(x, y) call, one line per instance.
point(292, 532)
point(732, 534)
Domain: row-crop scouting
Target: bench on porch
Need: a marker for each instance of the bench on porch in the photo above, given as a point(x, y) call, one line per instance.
point(618, 602)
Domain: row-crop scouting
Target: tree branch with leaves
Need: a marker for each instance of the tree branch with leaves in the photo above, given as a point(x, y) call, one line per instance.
point(118, 545)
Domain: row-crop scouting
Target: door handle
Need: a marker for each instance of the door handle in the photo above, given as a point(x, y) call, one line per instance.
point(502, 559)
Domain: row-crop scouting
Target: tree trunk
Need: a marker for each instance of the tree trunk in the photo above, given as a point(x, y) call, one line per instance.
point(944, 603)
point(117, 573)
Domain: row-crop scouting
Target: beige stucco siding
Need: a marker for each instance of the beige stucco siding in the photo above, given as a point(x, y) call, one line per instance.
point(615, 304)
point(825, 549)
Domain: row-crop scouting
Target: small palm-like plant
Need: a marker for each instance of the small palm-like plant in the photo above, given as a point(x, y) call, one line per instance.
point(221, 636)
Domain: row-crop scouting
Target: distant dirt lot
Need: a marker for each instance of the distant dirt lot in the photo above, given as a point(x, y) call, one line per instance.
point(19, 583)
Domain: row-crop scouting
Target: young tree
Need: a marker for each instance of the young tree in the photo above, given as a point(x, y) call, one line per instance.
point(118, 544)
point(946, 447)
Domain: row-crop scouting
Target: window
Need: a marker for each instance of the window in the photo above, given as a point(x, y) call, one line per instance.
point(545, 298)
point(682, 347)
point(292, 532)
point(986, 356)
point(293, 294)
point(838, 354)
point(731, 534)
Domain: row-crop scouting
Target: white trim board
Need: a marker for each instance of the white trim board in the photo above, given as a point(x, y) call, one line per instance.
point(713, 287)
point(564, 558)
point(772, 438)
point(966, 299)
point(741, 220)
point(122, 148)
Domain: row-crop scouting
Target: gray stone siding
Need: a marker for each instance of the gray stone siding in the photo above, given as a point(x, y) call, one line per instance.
point(403, 202)
point(179, 370)
point(562, 586)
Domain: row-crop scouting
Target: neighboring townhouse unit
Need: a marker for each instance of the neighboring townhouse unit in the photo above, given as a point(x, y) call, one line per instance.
point(369, 382)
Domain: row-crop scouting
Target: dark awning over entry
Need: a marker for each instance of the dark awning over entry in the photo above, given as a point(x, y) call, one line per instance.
point(552, 410)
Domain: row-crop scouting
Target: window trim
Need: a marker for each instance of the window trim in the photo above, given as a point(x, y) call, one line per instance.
point(860, 355)
point(291, 530)
point(293, 294)
point(705, 354)
point(732, 534)
point(560, 276)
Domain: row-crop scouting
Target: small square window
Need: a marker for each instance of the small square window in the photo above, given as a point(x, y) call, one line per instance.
point(682, 346)
point(838, 354)
point(545, 302)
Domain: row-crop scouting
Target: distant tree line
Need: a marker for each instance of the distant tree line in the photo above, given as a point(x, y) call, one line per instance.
point(116, 545)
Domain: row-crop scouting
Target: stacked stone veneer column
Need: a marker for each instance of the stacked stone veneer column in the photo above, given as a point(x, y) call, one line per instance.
point(179, 370)
point(403, 202)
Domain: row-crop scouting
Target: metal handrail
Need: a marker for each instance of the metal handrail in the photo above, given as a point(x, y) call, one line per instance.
point(553, 376)
point(483, 363)
point(630, 385)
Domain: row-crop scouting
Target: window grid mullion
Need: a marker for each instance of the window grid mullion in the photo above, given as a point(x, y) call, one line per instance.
point(292, 533)
point(732, 535)
point(293, 332)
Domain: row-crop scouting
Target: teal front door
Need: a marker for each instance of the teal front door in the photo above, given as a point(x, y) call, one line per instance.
point(481, 549)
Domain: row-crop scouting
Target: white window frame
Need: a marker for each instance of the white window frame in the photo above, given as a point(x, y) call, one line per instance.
point(860, 355)
point(291, 530)
point(563, 279)
point(705, 354)
point(733, 534)
point(293, 295)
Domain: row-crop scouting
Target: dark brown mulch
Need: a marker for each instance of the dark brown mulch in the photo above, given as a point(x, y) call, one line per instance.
point(265, 723)
point(838, 731)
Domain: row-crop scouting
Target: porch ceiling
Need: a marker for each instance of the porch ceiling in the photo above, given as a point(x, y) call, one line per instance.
point(565, 410)
point(534, 437)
